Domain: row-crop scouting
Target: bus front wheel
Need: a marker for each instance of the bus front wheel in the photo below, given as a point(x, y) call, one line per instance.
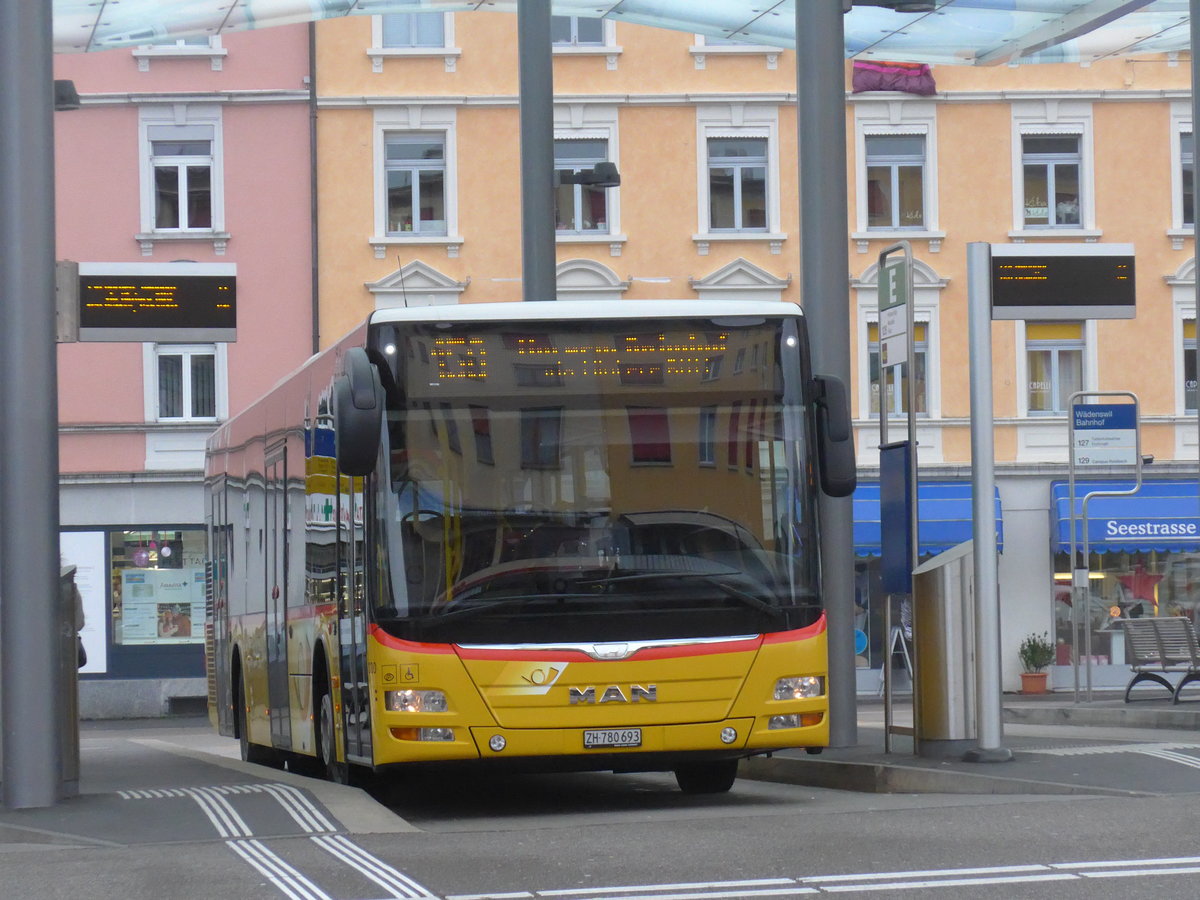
point(327, 741)
point(707, 778)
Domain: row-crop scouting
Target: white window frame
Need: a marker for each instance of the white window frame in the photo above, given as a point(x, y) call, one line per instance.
point(432, 121)
point(150, 356)
point(737, 120)
point(884, 118)
point(606, 47)
point(1054, 117)
point(189, 118)
point(901, 395)
point(448, 51)
point(1183, 303)
point(927, 289)
point(1090, 374)
point(577, 121)
point(577, 202)
point(1181, 124)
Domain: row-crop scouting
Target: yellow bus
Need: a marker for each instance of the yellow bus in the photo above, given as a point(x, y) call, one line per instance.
point(541, 536)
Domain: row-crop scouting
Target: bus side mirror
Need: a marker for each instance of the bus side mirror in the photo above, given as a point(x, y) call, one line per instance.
point(357, 414)
point(835, 437)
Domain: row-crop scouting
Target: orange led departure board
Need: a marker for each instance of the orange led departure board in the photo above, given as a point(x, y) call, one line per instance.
point(173, 302)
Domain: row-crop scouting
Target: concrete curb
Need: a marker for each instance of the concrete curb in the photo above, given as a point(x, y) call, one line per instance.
point(1126, 716)
point(880, 778)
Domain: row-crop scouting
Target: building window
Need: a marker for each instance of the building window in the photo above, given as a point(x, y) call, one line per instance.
point(1051, 165)
point(576, 31)
point(1189, 366)
point(579, 208)
point(183, 184)
point(1054, 353)
point(481, 426)
point(707, 438)
point(737, 183)
point(416, 184)
point(404, 30)
point(541, 438)
point(1187, 174)
point(897, 397)
point(895, 181)
point(186, 378)
point(649, 434)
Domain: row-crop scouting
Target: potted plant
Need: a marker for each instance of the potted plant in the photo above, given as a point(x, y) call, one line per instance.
point(1036, 652)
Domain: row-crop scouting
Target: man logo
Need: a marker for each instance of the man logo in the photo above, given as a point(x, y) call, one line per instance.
point(614, 694)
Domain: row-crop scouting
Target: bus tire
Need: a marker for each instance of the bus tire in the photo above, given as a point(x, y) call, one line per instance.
point(251, 753)
point(338, 772)
point(707, 778)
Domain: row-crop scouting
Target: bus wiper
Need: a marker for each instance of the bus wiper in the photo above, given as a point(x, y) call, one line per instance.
point(714, 579)
point(480, 607)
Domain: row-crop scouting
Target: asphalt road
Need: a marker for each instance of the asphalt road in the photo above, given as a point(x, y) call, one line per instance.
point(169, 812)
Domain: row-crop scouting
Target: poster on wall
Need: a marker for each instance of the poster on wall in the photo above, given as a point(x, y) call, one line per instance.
point(158, 606)
point(85, 551)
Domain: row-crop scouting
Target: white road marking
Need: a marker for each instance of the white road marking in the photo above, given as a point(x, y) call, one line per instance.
point(401, 886)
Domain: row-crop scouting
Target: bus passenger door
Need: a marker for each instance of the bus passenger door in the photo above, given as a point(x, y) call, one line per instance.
point(276, 596)
point(352, 621)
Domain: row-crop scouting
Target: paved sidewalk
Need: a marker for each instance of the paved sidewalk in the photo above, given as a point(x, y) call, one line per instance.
point(1104, 746)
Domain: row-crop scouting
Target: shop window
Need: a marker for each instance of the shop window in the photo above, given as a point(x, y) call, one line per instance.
point(157, 586)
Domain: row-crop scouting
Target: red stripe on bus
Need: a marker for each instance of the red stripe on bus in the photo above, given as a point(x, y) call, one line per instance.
point(395, 643)
point(800, 634)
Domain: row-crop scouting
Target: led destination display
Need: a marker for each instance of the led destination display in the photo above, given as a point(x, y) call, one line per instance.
point(1062, 281)
point(133, 302)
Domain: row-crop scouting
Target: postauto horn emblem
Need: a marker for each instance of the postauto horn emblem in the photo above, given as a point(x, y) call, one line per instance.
point(614, 694)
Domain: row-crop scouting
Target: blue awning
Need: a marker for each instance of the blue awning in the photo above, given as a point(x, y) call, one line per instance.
point(1163, 515)
point(945, 512)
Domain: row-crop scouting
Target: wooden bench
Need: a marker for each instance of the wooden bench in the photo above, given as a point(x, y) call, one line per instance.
point(1158, 646)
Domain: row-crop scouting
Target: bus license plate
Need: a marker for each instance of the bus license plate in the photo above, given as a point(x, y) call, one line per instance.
point(612, 737)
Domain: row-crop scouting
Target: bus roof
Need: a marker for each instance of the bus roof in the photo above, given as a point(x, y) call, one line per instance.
point(570, 310)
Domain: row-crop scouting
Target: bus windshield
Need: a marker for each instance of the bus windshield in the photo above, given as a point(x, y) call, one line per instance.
point(607, 480)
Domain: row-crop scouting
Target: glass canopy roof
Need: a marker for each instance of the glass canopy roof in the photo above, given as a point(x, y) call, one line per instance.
point(963, 32)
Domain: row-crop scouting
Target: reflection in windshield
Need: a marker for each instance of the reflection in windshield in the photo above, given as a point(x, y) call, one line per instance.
point(596, 481)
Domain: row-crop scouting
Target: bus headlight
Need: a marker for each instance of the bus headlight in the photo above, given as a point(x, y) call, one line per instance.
point(799, 687)
point(414, 701)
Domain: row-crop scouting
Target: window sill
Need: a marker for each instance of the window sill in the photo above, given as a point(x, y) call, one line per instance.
point(863, 238)
point(1021, 235)
point(1179, 235)
point(701, 52)
point(147, 239)
point(775, 239)
point(378, 54)
point(380, 244)
point(615, 241)
point(215, 55)
point(586, 50)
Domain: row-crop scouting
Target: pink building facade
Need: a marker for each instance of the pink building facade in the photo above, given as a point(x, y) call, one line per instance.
point(183, 159)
